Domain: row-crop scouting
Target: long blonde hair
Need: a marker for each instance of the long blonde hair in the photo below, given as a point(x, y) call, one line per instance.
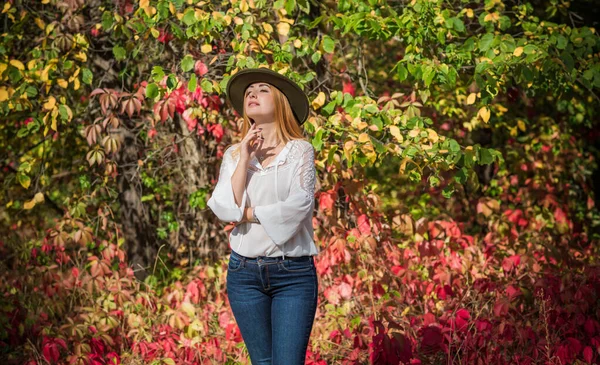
point(285, 122)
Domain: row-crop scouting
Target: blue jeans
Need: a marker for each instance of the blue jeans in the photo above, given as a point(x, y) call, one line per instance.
point(274, 303)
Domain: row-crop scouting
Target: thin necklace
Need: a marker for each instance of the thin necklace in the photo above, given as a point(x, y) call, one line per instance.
point(262, 158)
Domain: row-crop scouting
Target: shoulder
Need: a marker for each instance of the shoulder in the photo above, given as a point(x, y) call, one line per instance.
point(231, 150)
point(304, 145)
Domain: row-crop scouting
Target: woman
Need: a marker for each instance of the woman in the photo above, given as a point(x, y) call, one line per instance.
point(266, 185)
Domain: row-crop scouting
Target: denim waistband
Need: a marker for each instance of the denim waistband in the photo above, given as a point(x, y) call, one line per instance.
point(269, 258)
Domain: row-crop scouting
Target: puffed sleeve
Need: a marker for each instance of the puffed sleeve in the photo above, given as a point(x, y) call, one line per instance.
point(282, 220)
point(222, 201)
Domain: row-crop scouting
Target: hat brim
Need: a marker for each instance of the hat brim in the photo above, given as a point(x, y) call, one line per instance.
point(238, 83)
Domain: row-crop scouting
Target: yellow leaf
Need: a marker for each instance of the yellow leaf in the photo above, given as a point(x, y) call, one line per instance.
point(349, 145)
point(144, 3)
point(3, 67)
point(238, 21)
point(6, 7)
point(150, 10)
point(3, 94)
point(297, 43)
point(50, 104)
point(18, 64)
point(244, 6)
point(484, 113)
point(29, 204)
point(395, 131)
point(155, 33)
point(283, 28)
point(471, 98)
point(267, 27)
point(363, 138)
point(54, 125)
point(189, 309)
point(172, 8)
point(470, 13)
point(433, 136)
point(38, 198)
point(318, 101)
point(76, 84)
point(40, 23)
point(521, 125)
point(62, 83)
point(206, 48)
point(413, 133)
point(518, 51)
point(9, 204)
point(81, 56)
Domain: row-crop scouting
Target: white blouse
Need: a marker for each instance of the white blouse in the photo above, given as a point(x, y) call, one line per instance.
point(283, 194)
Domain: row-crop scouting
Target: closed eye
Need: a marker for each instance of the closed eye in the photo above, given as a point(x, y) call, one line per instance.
point(264, 90)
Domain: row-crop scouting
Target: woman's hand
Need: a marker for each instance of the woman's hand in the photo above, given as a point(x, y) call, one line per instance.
point(251, 143)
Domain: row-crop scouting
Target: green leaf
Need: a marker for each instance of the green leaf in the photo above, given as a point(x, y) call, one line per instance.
point(64, 114)
point(193, 83)
point(152, 91)
point(485, 156)
point(486, 42)
point(561, 42)
point(316, 57)
point(329, 107)
point(24, 180)
point(290, 5)
point(87, 76)
point(119, 52)
point(328, 44)
point(447, 192)
point(304, 6)
point(187, 63)
point(402, 72)
point(529, 49)
point(206, 86)
point(171, 81)
point(454, 146)
point(458, 24)
point(157, 73)
point(107, 20)
point(317, 141)
point(31, 91)
point(189, 17)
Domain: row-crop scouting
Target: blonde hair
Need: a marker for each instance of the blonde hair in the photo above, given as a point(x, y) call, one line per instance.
point(285, 122)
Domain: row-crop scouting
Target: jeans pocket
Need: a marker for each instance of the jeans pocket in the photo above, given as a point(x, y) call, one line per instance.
point(296, 265)
point(235, 264)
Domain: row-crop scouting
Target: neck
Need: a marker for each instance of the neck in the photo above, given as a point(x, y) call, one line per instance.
point(269, 133)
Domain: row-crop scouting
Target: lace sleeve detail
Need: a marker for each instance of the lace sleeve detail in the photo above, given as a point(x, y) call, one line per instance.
point(307, 172)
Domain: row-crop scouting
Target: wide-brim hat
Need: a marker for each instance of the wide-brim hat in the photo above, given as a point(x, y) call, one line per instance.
point(239, 82)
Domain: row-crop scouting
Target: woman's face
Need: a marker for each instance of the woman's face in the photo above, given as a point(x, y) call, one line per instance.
point(258, 102)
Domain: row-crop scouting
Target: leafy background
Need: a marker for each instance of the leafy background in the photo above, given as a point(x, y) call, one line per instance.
point(457, 149)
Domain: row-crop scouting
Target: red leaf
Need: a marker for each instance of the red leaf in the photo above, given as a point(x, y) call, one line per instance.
point(432, 338)
point(364, 225)
point(348, 87)
point(588, 354)
point(501, 307)
point(200, 68)
point(326, 201)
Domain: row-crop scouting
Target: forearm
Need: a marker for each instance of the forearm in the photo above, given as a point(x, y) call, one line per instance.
point(238, 181)
point(247, 217)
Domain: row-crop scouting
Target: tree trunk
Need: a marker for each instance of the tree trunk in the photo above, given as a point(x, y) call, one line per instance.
point(139, 232)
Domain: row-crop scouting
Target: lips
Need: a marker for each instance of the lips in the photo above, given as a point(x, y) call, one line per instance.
point(253, 103)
